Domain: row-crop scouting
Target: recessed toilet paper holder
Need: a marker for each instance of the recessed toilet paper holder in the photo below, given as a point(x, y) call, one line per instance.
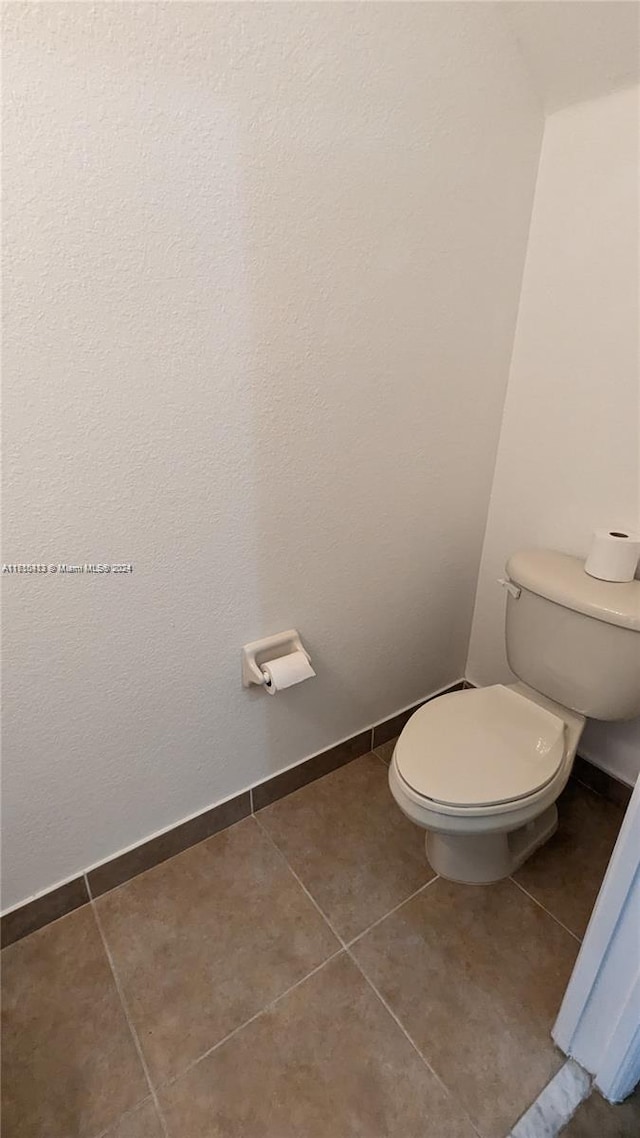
point(271, 648)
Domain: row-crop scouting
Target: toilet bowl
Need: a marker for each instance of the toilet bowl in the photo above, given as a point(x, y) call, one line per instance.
point(481, 769)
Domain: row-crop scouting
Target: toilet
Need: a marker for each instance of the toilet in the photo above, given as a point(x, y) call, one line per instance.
point(481, 769)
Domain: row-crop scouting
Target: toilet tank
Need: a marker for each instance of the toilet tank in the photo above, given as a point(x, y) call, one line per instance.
point(573, 638)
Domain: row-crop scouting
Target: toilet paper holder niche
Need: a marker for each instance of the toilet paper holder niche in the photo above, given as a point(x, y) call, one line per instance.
point(270, 648)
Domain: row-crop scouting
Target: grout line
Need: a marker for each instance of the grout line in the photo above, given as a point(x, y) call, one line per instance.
point(134, 1034)
point(338, 952)
point(345, 944)
point(241, 1026)
point(380, 759)
point(112, 1127)
point(395, 1018)
point(347, 947)
point(300, 882)
point(415, 1047)
point(379, 921)
point(545, 910)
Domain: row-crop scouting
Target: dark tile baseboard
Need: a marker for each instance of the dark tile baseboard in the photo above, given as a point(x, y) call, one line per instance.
point(317, 766)
point(35, 914)
point(601, 782)
point(127, 865)
point(43, 910)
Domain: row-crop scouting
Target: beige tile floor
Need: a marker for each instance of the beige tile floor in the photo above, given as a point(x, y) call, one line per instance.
point(302, 974)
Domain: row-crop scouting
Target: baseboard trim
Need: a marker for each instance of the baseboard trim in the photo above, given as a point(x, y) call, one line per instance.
point(43, 910)
point(63, 899)
point(601, 782)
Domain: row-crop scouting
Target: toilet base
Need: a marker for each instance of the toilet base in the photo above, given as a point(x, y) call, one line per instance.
point(480, 859)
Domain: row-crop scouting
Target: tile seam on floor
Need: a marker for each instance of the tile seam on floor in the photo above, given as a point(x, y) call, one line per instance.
point(345, 944)
point(449, 1093)
point(344, 948)
point(300, 882)
point(127, 1015)
point(379, 921)
point(241, 1026)
point(123, 1117)
point(545, 910)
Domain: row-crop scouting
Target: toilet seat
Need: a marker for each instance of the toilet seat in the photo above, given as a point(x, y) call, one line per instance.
point(480, 748)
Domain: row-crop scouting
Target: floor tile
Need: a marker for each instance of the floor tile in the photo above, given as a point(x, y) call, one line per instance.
point(350, 844)
point(327, 1061)
point(70, 1067)
point(597, 1118)
point(476, 975)
point(205, 940)
point(141, 1123)
point(566, 873)
point(384, 751)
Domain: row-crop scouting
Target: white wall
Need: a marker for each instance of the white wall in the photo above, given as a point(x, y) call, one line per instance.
point(263, 266)
point(567, 461)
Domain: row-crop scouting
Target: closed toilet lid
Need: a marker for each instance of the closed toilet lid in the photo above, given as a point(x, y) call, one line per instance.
point(480, 747)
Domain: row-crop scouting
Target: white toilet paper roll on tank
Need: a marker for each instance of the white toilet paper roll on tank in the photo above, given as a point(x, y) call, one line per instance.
point(286, 671)
point(613, 555)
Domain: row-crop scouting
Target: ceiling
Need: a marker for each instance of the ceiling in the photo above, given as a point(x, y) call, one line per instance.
point(577, 49)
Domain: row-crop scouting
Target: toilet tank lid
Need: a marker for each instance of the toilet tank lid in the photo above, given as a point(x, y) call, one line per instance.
point(561, 578)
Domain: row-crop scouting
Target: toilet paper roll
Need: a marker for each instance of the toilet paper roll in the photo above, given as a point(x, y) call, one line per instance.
point(286, 671)
point(613, 555)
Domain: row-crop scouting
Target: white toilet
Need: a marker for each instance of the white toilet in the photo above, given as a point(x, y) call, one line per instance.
point(481, 769)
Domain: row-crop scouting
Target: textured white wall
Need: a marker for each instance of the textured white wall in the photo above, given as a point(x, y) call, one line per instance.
point(263, 265)
point(568, 455)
